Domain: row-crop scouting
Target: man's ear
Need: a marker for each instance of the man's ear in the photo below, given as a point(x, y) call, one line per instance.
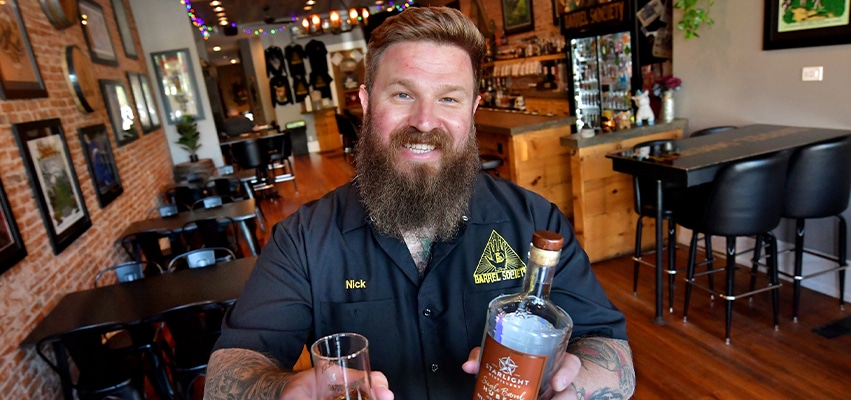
point(364, 98)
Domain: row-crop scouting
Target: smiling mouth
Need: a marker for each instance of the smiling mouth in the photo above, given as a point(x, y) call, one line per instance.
point(419, 148)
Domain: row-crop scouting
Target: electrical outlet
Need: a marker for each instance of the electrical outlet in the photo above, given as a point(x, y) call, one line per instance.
point(812, 74)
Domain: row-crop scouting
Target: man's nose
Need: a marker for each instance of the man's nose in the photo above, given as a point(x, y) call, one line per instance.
point(424, 117)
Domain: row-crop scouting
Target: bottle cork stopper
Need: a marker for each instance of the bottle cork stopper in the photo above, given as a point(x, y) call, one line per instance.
point(547, 240)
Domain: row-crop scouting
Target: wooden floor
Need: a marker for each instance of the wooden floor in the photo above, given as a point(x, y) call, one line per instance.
point(680, 360)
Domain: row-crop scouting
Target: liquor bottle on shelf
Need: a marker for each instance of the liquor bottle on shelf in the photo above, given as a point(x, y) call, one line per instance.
point(526, 334)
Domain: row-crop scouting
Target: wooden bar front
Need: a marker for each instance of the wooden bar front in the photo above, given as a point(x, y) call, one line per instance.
point(603, 206)
point(530, 148)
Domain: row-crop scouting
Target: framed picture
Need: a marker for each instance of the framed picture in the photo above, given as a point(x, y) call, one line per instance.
point(153, 112)
point(12, 247)
point(559, 6)
point(97, 33)
point(102, 169)
point(123, 23)
point(135, 80)
point(120, 111)
point(53, 180)
point(177, 85)
point(517, 16)
point(806, 23)
point(19, 74)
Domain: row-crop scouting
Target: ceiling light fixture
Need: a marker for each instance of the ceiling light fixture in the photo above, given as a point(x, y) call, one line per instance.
point(217, 48)
point(215, 3)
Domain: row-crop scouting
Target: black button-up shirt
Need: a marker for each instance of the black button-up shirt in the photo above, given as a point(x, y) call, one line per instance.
point(326, 270)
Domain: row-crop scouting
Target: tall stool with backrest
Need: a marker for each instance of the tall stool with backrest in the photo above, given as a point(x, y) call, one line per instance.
point(644, 203)
point(745, 199)
point(250, 154)
point(348, 133)
point(818, 185)
point(280, 150)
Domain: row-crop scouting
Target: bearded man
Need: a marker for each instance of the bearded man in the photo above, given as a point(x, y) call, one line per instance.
point(402, 254)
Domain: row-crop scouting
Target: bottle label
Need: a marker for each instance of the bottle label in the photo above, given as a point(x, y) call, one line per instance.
point(506, 374)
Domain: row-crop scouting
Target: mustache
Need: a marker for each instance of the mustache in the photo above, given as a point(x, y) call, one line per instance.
point(437, 137)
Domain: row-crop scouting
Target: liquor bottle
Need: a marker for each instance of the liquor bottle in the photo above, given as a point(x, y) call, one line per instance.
point(526, 334)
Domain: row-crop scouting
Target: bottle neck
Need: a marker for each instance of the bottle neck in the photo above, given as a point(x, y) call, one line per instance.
point(540, 271)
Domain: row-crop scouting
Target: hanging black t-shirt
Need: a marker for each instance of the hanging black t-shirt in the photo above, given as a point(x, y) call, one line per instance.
point(300, 88)
point(295, 59)
point(316, 52)
point(321, 81)
point(274, 61)
point(279, 86)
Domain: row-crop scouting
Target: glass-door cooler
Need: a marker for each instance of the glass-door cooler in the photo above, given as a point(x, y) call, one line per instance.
point(602, 77)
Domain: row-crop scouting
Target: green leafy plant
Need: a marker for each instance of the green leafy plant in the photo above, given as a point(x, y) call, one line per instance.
point(695, 14)
point(190, 138)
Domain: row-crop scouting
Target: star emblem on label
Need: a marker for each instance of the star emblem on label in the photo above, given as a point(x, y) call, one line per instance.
point(507, 365)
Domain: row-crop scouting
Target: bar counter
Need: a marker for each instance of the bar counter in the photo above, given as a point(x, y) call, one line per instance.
point(529, 147)
point(603, 204)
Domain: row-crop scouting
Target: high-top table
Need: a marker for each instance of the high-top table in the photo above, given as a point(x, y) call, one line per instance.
point(138, 302)
point(694, 161)
point(239, 211)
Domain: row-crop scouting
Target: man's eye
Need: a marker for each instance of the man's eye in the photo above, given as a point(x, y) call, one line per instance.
point(402, 96)
point(449, 100)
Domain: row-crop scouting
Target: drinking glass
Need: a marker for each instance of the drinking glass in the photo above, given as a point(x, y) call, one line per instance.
point(341, 363)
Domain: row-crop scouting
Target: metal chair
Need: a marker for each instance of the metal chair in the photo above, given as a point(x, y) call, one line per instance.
point(211, 202)
point(98, 371)
point(745, 199)
point(711, 130)
point(201, 258)
point(212, 232)
point(129, 271)
point(148, 246)
point(193, 330)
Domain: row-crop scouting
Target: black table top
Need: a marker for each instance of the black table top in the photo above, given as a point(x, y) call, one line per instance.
point(143, 300)
point(238, 211)
point(696, 160)
point(252, 135)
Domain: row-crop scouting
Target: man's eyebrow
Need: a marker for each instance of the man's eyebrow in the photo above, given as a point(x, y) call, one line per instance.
point(443, 87)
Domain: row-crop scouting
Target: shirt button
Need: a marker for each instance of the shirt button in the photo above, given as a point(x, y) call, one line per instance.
point(434, 368)
point(427, 312)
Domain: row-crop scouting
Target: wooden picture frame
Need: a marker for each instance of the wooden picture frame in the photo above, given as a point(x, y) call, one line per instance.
point(178, 88)
point(123, 23)
point(94, 141)
point(797, 25)
point(142, 109)
point(120, 111)
point(20, 77)
point(12, 247)
point(517, 16)
point(53, 181)
point(96, 32)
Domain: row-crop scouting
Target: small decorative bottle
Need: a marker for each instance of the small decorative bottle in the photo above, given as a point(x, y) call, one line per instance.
point(526, 334)
point(667, 106)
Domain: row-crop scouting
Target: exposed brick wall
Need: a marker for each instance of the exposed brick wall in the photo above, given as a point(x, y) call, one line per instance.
point(31, 288)
point(542, 10)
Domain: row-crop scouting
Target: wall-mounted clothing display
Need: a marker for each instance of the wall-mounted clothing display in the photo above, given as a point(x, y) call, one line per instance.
point(300, 88)
point(321, 81)
point(316, 53)
point(279, 86)
point(275, 62)
point(295, 59)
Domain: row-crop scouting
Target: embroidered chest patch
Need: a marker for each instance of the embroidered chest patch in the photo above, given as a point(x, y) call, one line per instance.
point(499, 262)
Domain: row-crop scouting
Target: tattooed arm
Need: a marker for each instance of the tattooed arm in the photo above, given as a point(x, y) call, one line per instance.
point(593, 368)
point(247, 374)
point(606, 370)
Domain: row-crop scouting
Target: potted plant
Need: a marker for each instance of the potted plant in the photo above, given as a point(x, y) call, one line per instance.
point(190, 138)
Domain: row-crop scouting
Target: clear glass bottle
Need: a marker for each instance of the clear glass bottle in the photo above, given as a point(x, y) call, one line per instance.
point(526, 334)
